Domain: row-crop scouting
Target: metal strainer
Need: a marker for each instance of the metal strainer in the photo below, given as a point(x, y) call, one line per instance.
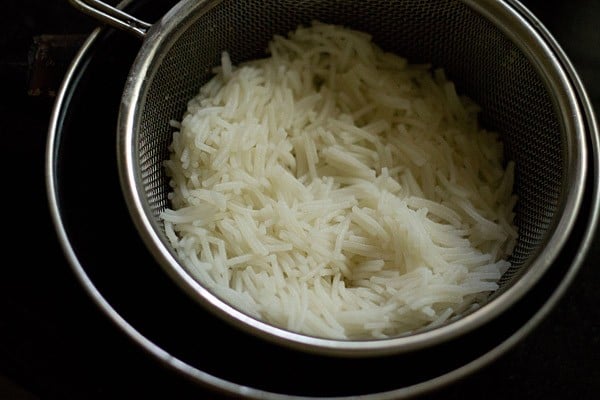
point(492, 51)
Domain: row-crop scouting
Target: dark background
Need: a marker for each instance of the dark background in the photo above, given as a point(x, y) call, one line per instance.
point(56, 344)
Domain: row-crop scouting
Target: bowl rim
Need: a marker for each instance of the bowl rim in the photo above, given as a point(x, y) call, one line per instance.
point(216, 383)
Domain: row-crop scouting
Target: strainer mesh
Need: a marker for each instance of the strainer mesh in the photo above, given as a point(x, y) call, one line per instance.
point(475, 54)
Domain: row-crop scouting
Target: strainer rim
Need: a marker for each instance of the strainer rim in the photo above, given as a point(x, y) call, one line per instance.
point(164, 34)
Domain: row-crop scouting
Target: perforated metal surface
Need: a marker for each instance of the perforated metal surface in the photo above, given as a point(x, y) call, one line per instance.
point(517, 100)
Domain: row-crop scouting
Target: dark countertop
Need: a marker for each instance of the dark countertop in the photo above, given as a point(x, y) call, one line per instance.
point(56, 344)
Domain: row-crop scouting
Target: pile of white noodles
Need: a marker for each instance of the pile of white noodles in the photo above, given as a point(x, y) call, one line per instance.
point(336, 190)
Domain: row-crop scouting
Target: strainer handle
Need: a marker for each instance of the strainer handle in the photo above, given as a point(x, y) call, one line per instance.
point(113, 16)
